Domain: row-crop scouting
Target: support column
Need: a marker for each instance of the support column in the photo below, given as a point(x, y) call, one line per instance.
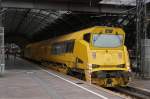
point(141, 28)
point(2, 48)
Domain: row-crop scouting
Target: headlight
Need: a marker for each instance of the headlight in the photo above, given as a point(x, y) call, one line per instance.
point(129, 69)
point(121, 66)
point(89, 66)
point(94, 55)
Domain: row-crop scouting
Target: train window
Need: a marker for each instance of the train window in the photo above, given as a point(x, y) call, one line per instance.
point(69, 46)
point(107, 40)
point(86, 37)
point(57, 49)
point(62, 47)
point(54, 49)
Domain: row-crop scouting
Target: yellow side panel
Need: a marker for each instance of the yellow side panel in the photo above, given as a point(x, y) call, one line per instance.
point(63, 58)
point(81, 49)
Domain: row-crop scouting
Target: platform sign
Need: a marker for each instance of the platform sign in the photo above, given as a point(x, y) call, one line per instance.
point(2, 53)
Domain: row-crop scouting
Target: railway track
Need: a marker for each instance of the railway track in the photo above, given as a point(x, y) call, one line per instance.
point(132, 92)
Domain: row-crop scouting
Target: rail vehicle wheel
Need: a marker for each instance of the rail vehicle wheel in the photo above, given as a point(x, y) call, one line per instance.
point(69, 72)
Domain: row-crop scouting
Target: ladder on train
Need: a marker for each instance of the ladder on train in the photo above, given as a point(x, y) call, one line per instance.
point(2, 49)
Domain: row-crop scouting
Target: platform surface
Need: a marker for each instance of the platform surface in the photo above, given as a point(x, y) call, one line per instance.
point(143, 84)
point(25, 80)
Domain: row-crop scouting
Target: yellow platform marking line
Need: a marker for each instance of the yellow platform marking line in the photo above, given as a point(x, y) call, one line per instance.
point(97, 94)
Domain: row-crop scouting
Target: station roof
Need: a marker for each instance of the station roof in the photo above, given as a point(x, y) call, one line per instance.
point(121, 2)
point(25, 25)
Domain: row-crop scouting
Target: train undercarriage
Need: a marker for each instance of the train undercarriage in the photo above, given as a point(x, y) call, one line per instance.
point(100, 78)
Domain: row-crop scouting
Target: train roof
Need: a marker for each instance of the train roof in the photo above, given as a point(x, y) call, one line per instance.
point(79, 34)
point(95, 29)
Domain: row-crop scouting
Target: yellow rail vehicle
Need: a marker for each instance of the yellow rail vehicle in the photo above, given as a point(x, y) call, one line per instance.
point(96, 54)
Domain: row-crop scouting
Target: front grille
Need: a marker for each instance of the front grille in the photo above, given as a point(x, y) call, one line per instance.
point(116, 66)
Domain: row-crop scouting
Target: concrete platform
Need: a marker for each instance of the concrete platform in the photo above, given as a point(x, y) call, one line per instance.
point(141, 84)
point(25, 80)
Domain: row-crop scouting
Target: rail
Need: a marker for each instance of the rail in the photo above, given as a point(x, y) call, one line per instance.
point(132, 92)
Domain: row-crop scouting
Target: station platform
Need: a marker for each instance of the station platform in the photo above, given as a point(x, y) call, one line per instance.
point(142, 84)
point(26, 80)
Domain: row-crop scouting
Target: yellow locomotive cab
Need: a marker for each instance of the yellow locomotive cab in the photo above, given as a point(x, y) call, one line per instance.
point(96, 54)
point(107, 53)
point(108, 59)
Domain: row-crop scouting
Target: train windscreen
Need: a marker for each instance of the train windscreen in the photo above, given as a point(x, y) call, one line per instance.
point(107, 40)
